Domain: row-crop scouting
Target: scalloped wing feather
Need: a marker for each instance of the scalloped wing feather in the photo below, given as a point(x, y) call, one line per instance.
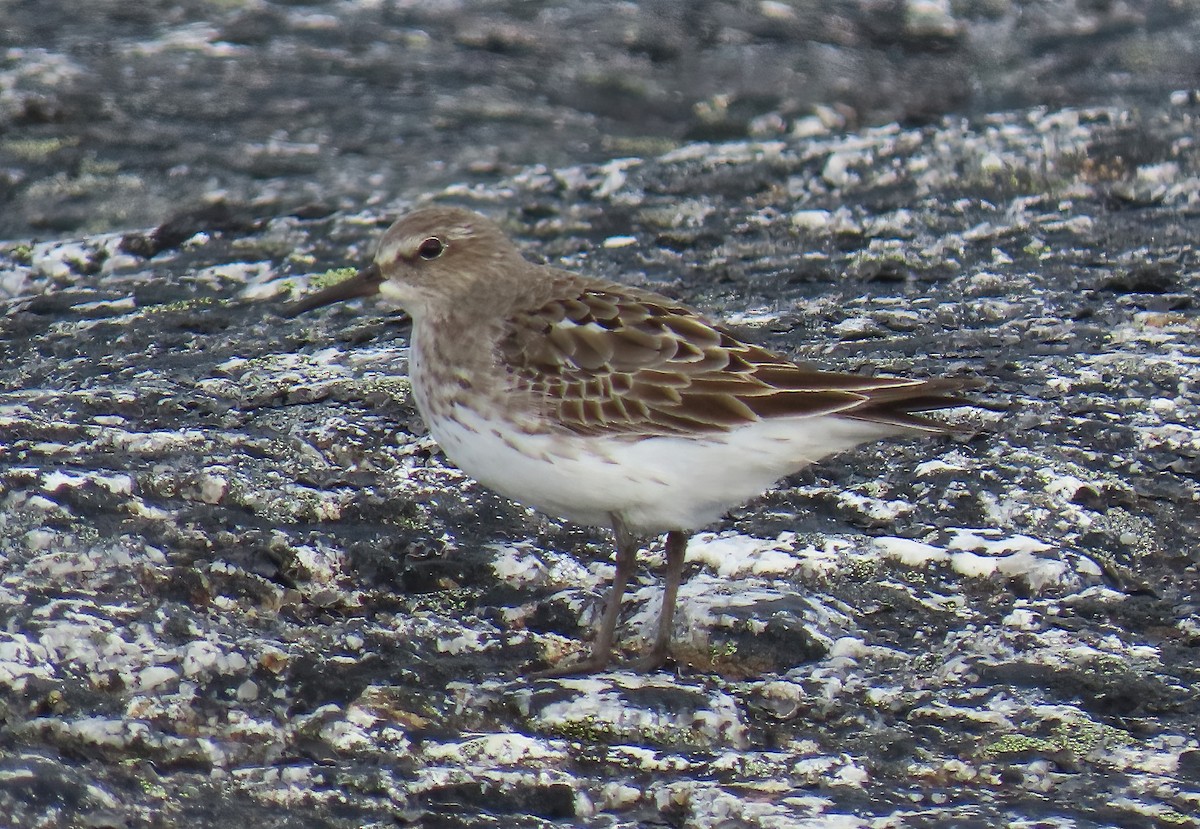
point(629, 362)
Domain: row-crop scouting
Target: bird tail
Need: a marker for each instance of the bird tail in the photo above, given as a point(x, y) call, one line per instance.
point(902, 406)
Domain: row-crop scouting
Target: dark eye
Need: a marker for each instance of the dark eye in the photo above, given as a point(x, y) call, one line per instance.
point(431, 248)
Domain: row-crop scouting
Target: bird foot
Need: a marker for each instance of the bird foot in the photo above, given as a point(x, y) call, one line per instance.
point(652, 661)
point(592, 665)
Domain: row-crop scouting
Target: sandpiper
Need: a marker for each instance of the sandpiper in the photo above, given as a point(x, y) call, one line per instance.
point(605, 404)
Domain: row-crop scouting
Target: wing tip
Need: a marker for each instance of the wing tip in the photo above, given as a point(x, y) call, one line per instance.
point(904, 406)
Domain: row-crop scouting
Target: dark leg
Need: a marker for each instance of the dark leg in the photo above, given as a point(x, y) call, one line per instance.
point(676, 550)
point(627, 547)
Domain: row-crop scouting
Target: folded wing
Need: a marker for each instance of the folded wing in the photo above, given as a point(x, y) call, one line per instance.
point(634, 363)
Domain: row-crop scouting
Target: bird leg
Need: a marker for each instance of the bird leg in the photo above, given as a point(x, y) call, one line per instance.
point(627, 547)
point(677, 542)
point(626, 560)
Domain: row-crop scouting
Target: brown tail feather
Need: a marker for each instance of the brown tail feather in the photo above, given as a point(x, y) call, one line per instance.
point(898, 405)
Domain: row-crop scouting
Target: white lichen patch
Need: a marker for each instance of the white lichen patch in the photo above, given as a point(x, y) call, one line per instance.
point(733, 555)
point(811, 220)
point(493, 750)
point(22, 658)
point(987, 553)
point(346, 736)
point(707, 603)
point(108, 306)
point(613, 242)
point(526, 565)
point(321, 566)
point(711, 806)
point(609, 706)
point(118, 484)
point(82, 567)
point(63, 261)
point(212, 484)
point(155, 676)
point(156, 442)
point(948, 462)
point(449, 635)
point(875, 509)
point(207, 657)
point(730, 152)
point(324, 364)
point(752, 317)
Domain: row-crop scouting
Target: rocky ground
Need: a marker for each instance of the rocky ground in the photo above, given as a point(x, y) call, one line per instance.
point(238, 583)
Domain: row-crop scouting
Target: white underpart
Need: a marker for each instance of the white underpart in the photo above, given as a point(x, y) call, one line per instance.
point(655, 484)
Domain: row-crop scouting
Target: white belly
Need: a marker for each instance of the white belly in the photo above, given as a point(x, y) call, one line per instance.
point(655, 484)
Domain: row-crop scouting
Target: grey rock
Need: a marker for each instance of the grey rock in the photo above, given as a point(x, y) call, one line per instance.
point(238, 582)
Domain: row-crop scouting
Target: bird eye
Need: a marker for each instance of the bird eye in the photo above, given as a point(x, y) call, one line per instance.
point(431, 248)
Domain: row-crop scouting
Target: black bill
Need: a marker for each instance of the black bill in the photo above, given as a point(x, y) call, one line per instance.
point(363, 284)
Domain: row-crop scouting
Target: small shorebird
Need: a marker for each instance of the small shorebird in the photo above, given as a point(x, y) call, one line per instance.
point(605, 404)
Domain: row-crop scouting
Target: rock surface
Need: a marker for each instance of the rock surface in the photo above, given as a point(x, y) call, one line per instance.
point(238, 583)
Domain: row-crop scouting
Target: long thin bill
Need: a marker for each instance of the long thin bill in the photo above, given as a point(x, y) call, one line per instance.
point(363, 284)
